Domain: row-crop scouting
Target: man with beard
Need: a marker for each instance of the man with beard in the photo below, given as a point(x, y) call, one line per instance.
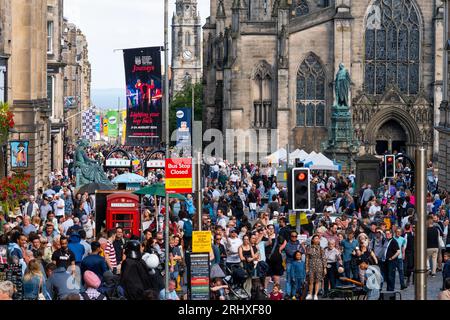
point(135, 278)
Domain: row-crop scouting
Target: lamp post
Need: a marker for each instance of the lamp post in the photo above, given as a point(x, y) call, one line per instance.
point(166, 106)
point(189, 80)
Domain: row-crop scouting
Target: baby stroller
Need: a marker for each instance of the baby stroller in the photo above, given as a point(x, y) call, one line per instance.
point(235, 281)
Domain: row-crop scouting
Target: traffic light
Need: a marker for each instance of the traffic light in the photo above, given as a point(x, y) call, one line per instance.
point(389, 166)
point(300, 189)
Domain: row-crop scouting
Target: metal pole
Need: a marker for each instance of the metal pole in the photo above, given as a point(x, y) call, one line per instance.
point(420, 246)
point(192, 118)
point(167, 107)
point(198, 179)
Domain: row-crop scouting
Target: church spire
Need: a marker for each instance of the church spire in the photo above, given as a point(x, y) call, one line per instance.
point(221, 10)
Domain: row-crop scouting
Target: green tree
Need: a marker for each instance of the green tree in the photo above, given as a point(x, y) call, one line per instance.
point(184, 99)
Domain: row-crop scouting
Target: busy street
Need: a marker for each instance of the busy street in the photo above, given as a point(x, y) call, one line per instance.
point(258, 152)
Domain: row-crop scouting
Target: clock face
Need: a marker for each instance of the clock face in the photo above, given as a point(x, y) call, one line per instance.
point(187, 55)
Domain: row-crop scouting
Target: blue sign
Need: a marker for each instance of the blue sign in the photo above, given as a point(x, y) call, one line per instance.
point(184, 116)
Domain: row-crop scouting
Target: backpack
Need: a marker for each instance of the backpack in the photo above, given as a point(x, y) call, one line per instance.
point(187, 228)
point(86, 297)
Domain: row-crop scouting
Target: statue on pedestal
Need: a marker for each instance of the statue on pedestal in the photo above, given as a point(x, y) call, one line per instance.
point(88, 170)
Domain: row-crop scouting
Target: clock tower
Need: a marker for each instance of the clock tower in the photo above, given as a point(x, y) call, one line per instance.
point(186, 45)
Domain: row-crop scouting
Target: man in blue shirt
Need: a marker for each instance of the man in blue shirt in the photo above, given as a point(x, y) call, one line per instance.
point(94, 262)
point(172, 294)
point(348, 246)
point(402, 245)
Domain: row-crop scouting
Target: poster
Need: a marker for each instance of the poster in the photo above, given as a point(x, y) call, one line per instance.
point(184, 131)
point(113, 123)
point(98, 124)
point(178, 175)
point(144, 96)
point(105, 126)
point(199, 276)
point(19, 154)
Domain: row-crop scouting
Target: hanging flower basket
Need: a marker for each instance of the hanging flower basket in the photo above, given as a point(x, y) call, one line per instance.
point(6, 122)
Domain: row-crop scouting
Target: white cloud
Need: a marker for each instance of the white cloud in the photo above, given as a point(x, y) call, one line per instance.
point(118, 24)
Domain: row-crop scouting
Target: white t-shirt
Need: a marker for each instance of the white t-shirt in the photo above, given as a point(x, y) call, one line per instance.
point(59, 212)
point(66, 225)
point(233, 250)
point(374, 209)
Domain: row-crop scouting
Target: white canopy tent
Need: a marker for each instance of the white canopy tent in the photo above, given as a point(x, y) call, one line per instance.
point(278, 155)
point(318, 161)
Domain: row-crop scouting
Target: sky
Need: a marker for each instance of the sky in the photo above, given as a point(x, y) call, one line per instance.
point(119, 24)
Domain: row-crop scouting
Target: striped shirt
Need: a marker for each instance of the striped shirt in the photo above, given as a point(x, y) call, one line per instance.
point(109, 251)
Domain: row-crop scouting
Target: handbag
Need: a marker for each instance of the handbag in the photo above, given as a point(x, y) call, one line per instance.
point(40, 294)
point(441, 243)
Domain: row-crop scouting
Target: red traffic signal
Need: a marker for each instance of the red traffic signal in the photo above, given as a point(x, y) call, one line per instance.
point(390, 159)
point(302, 176)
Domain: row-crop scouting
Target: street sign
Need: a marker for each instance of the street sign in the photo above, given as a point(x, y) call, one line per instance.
point(179, 175)
point(156, 164)
point(201, 241)
point(199, 276)
point(118, 163)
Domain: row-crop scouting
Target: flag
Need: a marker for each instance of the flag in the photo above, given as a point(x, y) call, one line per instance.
point(88, 124)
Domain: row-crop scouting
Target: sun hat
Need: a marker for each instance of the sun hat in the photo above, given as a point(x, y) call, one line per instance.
point(91, 280)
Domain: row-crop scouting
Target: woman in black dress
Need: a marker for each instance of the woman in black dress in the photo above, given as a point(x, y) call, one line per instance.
point(273, 255)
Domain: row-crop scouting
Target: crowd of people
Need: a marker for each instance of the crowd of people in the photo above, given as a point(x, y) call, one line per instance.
point(361, 237)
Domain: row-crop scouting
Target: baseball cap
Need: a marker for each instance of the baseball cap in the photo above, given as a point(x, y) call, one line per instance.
point(233, 230)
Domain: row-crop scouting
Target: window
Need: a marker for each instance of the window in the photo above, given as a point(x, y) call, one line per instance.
point(262, 95)
point(392, 53)
point(301, 8)
point(51, 92)
point(3, 81)
point(188, 39)
point(311, 93)
point(50, 37)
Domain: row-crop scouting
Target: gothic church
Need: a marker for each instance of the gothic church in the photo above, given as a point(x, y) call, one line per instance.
point(271, 64)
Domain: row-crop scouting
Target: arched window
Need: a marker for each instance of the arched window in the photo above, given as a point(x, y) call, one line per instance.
point(262, 95)
point(301, 8)
point(311, 93)
point(188, 39)
point(392, 41)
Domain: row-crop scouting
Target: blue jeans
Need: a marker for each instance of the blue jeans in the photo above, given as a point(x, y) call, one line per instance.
point(401, 272)
point(351, 271)
point(391, 266)
point(289, 292)
point(297, 286)
point(373, 294)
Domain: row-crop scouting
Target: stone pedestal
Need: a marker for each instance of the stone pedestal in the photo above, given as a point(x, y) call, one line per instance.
point(367, 171)
point(341, 146)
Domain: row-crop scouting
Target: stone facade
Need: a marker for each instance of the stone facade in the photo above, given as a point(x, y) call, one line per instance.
point(270, 65)
point(34, 69)
point(77, 79)
point(186, 45)
point(25, 40)
point(55, 81)
point(443, 126)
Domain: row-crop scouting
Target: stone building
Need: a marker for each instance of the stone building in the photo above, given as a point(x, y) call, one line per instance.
point(77, 79)
point(444, 124)
point(55, 81)
point(24, 49)
point(270, 65)
point(186, 45)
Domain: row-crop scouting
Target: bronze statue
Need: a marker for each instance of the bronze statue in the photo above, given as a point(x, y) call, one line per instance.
point(88, 170)
point(343, 82)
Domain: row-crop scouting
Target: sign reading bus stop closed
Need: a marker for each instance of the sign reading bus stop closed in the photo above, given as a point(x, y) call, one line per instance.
point(179, 175)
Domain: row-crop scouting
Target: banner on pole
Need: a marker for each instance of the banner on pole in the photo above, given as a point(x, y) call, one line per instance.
point(184, 131)
point(113, 123)
point(144, 96)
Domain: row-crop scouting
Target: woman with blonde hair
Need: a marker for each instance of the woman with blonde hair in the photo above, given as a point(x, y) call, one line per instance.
point(34, 282)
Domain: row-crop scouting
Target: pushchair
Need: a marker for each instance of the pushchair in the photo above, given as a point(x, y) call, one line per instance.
point(235, 281)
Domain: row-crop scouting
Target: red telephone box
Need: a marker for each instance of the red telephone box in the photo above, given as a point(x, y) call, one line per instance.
point(122, 210)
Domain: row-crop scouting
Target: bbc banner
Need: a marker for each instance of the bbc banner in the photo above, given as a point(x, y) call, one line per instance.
point(113, 123)
point(144, 96)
